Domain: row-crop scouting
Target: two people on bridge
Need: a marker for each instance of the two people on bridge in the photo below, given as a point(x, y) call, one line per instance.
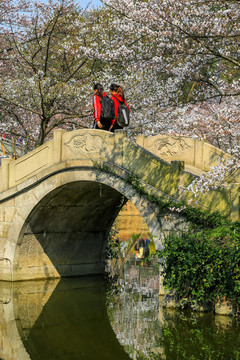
point(117, 98)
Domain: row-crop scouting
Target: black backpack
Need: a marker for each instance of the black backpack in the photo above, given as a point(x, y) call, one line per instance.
point(107, 108)
point(123, 116)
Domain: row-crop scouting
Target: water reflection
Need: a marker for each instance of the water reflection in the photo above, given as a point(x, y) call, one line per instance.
point(147, 331)
point(199, 336)
point(20, 303)
point(69, 319)
point(70, 322)
point(133, 308)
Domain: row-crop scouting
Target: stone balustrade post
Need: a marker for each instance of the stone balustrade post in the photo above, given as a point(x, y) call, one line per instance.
point(57, 146)
point(4, 183)
point(140, 140)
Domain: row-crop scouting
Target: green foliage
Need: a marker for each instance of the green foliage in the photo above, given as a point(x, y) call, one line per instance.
point(204, 266)
point(113, 246)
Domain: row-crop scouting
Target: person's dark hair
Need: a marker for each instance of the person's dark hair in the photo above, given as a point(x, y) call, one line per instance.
point(121, 92)
point(99, 88)
point(114, 87)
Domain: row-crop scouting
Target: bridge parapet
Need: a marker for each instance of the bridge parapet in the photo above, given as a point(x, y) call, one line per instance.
point(196, 153)
point(87, 147)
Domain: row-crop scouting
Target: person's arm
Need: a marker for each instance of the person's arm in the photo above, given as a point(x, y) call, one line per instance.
point(113, 122)
point(116, 105)
point(97, 109)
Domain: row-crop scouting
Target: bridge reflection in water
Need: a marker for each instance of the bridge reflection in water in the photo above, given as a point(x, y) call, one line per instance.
point(54, 319)
point(68, 320)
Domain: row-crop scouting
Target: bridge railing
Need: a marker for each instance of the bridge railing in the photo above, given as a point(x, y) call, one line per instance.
point(195, 153)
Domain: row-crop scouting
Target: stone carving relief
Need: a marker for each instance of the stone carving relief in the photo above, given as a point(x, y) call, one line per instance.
point(169, 146)
point(86, 143)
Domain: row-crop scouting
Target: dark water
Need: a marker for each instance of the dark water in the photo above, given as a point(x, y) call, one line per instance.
point(69, 319)
point(74, 325)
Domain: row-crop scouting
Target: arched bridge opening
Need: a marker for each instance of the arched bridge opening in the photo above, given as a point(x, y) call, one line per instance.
point(68, 229)
point(57, 203)
point(65, 234)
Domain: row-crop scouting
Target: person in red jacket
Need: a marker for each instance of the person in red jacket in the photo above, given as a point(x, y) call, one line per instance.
point(99, 122)
point(117, 93)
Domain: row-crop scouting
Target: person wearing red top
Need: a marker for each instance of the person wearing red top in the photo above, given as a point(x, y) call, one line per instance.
point(100, 123)
point(117, 94)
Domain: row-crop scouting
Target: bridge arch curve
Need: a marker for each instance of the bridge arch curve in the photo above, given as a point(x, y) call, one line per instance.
point(65, 167)
point(63, 225)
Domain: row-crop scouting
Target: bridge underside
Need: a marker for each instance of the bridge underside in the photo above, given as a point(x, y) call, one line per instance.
point(65, 234)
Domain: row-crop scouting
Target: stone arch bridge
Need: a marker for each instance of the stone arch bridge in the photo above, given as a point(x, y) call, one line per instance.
point(58, 202)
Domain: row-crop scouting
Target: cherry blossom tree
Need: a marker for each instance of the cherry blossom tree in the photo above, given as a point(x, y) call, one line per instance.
point(177, 60)
point(12, 13)
point(180, 60)
point(46, 80)
point(194, 44)
point(169, 54)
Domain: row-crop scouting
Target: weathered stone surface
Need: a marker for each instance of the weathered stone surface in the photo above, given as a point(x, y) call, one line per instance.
point(169, 300)
point(225, 308)
point(195, 153)
point(58, 203)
